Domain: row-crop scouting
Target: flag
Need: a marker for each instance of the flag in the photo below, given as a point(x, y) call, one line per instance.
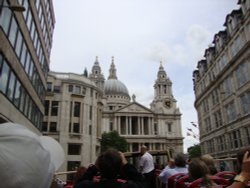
point(193, 124)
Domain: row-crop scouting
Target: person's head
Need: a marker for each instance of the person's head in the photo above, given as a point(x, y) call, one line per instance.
point(209, 161)
point(180, 160)
point(32, 159)
point(197, 169)
point(171, 163)
point(109, 164)
point(143, 149)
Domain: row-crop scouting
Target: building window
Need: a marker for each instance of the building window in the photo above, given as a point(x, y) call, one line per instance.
point(4, 74)
point(169, 127)
point(49, 86)
point(90, 112)
point(77, 108)
point(57, 89)
point(228, 86)
point(76, 128)
point(45, 127)
point(247, 131)
point(74, 149)
point(53, 127)
point(90, 129)
point(77, 90)
point(111, 126)
point(242, 74)
point(46, 107)
point(245, 103)
point(54, 108)
point(70, 88)
point(231, 112)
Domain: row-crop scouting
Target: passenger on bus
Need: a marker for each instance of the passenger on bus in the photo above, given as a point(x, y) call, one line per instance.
point(209, 161)
point(112, 171)
point(180, 167)
point(147, 166)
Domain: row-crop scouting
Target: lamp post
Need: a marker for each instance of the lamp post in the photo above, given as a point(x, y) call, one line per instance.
point(14, 8)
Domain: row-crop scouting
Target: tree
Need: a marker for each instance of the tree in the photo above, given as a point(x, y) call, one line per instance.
point(113, 140)
point(194, 151)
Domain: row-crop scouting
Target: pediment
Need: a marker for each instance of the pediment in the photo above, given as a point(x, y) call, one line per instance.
point(135, 108)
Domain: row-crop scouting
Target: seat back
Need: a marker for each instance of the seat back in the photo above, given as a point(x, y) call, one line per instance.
point(173, 179)
point(228, 175)
point(183, 182)
point(220, 182)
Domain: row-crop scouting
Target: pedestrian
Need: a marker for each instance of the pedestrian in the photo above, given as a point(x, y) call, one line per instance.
point(147, 166)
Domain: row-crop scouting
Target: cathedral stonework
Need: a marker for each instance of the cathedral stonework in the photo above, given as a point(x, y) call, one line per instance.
point(83, 107)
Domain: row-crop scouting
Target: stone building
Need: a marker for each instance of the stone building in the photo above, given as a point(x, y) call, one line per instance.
point(78, 109)
point(25, 44)
point(222, 87)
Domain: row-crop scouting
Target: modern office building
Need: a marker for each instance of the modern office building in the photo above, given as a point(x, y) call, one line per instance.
point(79, 108)
point(25, 44)
point(222, 87)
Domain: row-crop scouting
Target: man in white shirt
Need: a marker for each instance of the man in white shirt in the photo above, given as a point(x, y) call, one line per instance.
point(180, 167)
point(147, 167)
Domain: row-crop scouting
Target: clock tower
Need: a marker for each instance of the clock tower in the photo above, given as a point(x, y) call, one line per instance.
point(163, 101)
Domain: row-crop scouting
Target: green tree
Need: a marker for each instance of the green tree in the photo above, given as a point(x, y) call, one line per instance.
point(194, 151)
point(113, 140)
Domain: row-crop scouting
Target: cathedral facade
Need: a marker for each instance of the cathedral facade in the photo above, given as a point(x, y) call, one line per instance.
point(94, 105)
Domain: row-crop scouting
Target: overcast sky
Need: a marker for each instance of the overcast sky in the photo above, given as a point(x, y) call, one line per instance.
point(139, 34)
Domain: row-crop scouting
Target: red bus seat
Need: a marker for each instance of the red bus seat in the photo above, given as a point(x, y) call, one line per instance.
point(221, 182)
point(172, 179)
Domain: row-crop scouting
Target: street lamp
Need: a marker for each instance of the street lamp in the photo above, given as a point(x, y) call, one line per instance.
point(14, 8)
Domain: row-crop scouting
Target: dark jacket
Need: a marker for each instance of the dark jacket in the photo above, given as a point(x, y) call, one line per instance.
point(129, 178)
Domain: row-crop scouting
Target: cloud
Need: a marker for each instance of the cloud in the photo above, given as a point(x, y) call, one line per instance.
point(198, 39)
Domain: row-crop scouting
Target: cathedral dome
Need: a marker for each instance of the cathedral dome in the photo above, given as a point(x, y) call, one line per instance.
point(115, 87)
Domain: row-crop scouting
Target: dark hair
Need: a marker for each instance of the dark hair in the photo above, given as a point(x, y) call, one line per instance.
point(109, 164)
point(180, 160)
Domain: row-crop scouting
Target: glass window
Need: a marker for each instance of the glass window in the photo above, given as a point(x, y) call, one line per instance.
point(23, 54)
point(17, 93)
point(26, 5)
point(77, 89)
point(54, 108)
point(4, 77)
point(30, 109)
point(46, 106)
point(245, 102)
point(22, 99)
point(53, 127)
point(5, 19)
point(31, 70)
point(76, 128)
point(74, 149)
point(27, 64)
point(26, 107)
point(90, 112)
point(29, 17)
point(19, 42)
point(70, 88)
point(77, 106)
point(13, 31)
point(57, 89)
point(45, 127)
point(49, 86)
